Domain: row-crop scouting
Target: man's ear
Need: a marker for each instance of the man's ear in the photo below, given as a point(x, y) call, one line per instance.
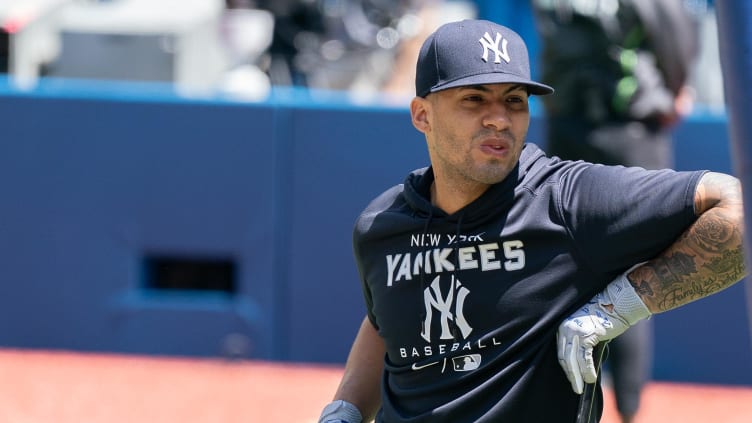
point(419, 113)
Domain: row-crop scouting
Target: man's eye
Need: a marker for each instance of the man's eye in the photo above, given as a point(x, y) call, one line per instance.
point(474, 98)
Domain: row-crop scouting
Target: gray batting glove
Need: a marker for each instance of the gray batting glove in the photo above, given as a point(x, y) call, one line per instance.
point(340, 411)
point(603, 318)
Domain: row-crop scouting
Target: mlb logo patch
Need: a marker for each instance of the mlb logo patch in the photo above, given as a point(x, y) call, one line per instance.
point(466, 363)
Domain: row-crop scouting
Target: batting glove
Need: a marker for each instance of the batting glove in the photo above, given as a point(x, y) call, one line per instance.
point(603, 318)
point(340, 412)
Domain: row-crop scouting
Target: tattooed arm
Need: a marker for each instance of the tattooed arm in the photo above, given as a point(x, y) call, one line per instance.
point(707, 258)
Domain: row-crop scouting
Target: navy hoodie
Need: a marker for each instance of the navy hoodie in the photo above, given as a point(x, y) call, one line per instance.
point(468, 304)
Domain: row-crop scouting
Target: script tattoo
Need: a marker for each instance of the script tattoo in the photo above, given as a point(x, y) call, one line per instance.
point(707, 258)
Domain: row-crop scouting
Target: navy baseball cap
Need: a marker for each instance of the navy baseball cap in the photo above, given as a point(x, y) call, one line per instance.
point(473, 52)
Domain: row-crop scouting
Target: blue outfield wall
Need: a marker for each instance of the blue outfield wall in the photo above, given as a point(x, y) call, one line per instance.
point(97, 177)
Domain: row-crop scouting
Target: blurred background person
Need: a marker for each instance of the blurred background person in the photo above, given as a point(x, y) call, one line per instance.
point(621, 71)
point(337, 45)
point(364, 47)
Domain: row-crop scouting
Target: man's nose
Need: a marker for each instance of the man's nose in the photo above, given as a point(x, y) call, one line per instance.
point(497, 117)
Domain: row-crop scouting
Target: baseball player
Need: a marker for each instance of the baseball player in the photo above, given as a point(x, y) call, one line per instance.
point(495, 268)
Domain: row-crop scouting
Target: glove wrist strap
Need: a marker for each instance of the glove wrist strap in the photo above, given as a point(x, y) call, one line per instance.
point(627, 303)
point(340, 411)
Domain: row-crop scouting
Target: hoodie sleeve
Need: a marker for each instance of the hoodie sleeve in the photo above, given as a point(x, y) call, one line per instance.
point(619, 216)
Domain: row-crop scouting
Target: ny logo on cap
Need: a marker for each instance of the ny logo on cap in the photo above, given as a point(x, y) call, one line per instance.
point(489, 43)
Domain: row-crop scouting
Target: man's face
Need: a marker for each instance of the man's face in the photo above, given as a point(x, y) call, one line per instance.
point(475, 134)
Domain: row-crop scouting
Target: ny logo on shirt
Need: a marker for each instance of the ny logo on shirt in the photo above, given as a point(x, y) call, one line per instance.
point(492, 44)
point(435, 301)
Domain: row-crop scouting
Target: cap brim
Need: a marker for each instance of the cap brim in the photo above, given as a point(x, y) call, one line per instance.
point(496, 78)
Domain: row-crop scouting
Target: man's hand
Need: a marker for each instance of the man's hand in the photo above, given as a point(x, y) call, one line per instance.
point(606, 316)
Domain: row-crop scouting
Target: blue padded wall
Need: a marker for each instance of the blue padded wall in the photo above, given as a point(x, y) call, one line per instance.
point(95, 181)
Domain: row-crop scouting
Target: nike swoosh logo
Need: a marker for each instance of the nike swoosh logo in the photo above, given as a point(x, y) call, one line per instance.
point(417, 367)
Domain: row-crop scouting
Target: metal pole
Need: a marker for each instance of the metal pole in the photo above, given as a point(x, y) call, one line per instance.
point(735, 48)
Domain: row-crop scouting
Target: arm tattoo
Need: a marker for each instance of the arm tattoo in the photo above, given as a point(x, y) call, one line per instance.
point(706, 258)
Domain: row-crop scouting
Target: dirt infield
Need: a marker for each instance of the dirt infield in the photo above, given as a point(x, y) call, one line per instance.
point(63, 387)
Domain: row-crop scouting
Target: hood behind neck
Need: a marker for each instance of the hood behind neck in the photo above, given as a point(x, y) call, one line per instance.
point(498, 196)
